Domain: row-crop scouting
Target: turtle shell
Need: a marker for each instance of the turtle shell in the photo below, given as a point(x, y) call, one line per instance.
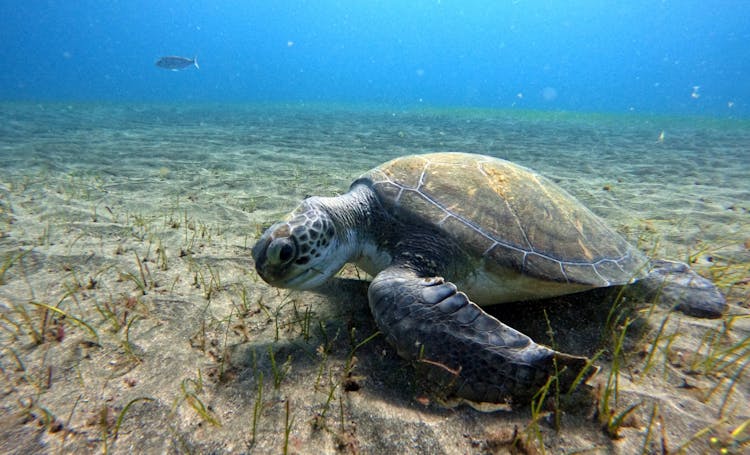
point(509, 218)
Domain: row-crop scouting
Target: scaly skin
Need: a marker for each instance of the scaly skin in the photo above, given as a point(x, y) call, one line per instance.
point(466, 352)
point(679, 287)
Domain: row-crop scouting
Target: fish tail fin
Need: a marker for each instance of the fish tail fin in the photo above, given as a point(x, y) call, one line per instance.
point(195, 62)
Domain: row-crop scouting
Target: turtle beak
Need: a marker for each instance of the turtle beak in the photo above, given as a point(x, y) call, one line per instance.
point(259, 249)
point(265, 264)
point(273, 254)
point(260, 257)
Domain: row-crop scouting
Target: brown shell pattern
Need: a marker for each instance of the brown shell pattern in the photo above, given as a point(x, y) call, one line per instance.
point(507, 216)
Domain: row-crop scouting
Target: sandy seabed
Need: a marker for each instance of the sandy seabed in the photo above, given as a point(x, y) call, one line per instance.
point(132, 320)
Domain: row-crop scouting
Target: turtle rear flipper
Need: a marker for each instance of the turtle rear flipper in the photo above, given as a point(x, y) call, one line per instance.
point(679, 287)
point(464, 351)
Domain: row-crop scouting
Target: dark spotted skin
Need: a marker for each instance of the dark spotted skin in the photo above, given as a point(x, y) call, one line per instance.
point(295, 242)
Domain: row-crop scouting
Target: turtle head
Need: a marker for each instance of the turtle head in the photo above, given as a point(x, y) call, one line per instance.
point(302, 252)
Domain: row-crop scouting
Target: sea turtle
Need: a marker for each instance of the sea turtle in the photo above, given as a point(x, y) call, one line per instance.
point(444, 233)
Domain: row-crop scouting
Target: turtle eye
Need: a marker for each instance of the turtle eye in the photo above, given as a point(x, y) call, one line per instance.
point(286, 253)
point(281, 251)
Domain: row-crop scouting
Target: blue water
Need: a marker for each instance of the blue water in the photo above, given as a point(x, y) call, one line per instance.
point(678, 57)
point(131, 196)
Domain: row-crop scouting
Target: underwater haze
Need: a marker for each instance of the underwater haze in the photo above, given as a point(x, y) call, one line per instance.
point(145, 146)
point(679, 57)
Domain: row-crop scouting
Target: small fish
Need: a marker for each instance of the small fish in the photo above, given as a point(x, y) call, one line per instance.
point(661, 137)
point(175, 63)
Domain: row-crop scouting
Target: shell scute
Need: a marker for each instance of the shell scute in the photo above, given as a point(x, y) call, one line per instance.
point(507, 217)
point(474, 239)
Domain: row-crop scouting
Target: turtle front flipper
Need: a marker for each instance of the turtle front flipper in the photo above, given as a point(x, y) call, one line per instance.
point(465, 351)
